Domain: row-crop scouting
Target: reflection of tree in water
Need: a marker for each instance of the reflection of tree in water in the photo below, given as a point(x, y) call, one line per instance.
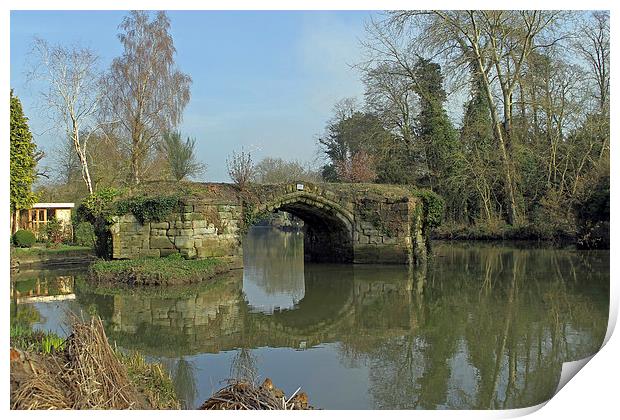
point(243, 365)
point(490, 330)
point(185, 383)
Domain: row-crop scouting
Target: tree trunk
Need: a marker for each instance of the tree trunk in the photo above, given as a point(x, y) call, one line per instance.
point(135, 155)
point(82, 157)
point(511, 206)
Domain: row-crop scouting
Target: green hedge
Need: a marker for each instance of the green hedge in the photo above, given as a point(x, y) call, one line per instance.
point(24, 239)
point(148, 209)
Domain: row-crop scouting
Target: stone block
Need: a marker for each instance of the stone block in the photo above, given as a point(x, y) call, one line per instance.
point(188, 209)
point(160, 225)
point(128, 218)
point(199, 232)
point(188, 252)
point(199, 224)
point(150, 253)
point(366, 225)
point(161, 242)
point(183, 242)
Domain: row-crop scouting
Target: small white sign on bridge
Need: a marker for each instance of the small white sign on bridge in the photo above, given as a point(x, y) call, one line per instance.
point(300, 187)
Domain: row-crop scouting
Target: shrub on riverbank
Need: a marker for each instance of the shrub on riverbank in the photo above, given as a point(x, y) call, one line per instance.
point(24, 239)
point(173, 269)
point(499, 231)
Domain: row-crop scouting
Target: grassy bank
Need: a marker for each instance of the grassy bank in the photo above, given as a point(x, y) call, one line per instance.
point(41, 255)
point(501, 232)
point(43, 250)
point(171, 270)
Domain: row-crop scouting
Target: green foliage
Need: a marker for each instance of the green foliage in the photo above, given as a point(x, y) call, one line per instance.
point(23, 161)
point(181, 156)
point(396, 165)
point(349, 134)
point(97, 209)
point(433, 125)
point(24, 239)
point(434, 207)
point(53, 232)
point(148, 209)
point(593, 216)
point(98, 205)
point(51, 343)
point(251, 216)
point(25, 338)
point(84, 234)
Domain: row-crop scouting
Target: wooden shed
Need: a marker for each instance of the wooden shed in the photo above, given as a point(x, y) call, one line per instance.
point(40, 214)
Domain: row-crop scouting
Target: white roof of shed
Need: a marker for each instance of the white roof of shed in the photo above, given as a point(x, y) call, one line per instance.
point(53, 205)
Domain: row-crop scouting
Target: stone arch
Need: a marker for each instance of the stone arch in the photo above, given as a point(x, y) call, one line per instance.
point(329, 227)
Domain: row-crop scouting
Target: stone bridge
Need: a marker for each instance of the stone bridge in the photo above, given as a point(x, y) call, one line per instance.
point(358, 223)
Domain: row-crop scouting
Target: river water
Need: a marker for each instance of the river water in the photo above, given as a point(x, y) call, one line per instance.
point(482, 326)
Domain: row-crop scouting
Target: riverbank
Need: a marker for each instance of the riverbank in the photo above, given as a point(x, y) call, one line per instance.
point(500, 232)
point(83, 372)
point(168, 271)
point(43, 256)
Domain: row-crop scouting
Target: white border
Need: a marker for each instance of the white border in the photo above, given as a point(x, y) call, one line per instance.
point(592, 394)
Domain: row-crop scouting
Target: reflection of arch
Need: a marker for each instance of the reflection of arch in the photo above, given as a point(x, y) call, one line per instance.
point(329, 226)
point(325, 303)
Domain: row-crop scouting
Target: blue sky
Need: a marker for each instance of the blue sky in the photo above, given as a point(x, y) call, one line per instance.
point(264, 80)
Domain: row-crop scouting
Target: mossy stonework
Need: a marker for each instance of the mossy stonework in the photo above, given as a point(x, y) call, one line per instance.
point(360, 223)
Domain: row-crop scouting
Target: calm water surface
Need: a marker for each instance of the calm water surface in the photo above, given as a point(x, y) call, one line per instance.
point(483, 326)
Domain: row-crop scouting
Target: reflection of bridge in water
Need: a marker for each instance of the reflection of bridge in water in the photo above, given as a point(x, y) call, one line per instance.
point(217, 317)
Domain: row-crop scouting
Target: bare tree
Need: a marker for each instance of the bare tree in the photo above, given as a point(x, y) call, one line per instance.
point(592, 43)
point(359, 167)
point(240, 168)
point(274, 170)
point(72, 93)
point(390, 95)
point(144, 91)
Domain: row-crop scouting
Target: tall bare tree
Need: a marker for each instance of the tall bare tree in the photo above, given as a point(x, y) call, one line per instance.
point(144, 91)
point(241, 168)
point(72, 93)
point(592, 42)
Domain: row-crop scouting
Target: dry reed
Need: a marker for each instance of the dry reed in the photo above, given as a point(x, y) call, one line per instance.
point(243, 395)
point(85, 375)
